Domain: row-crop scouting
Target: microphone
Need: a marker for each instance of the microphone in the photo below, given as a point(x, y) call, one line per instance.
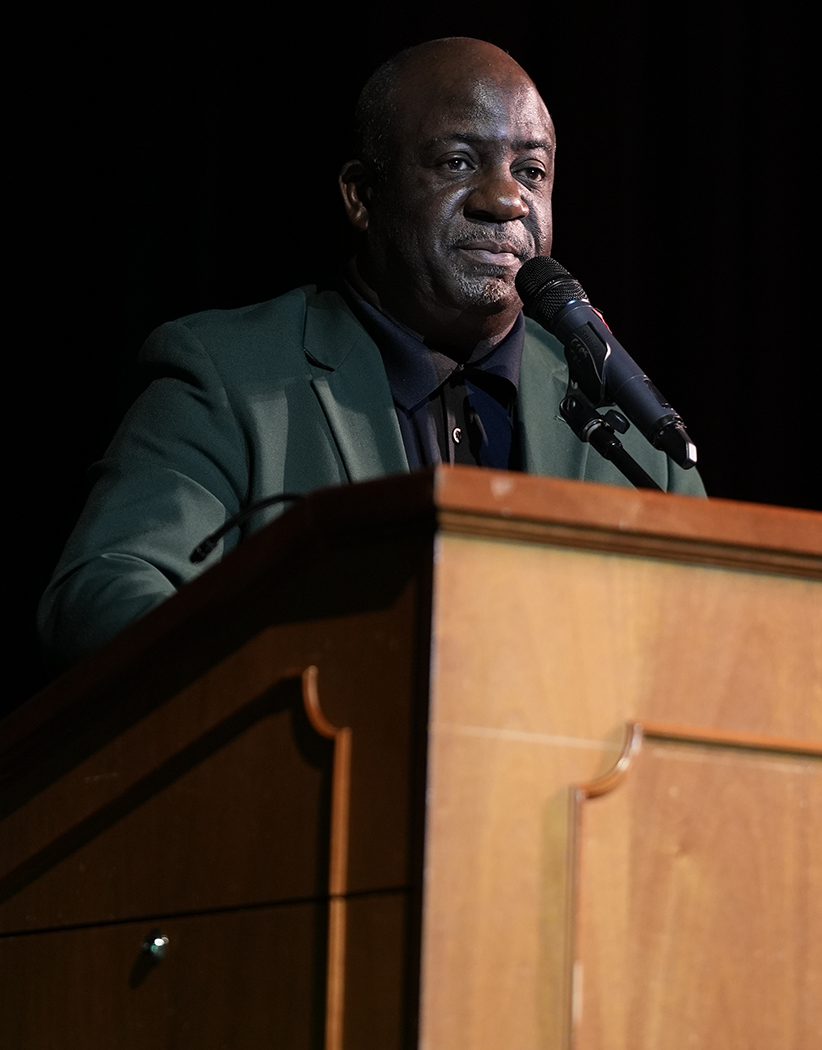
point(604, 370)
point(204, 548)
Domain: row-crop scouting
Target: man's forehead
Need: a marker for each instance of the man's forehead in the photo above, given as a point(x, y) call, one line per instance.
point(476, 110)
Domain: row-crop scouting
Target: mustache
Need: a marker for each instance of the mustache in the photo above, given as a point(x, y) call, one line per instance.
point(517, 242)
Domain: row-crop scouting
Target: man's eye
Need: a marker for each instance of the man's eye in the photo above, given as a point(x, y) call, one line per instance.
point(456, 164)
point(532, 172)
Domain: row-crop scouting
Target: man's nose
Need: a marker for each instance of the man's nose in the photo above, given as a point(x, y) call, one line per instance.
point(496, 197)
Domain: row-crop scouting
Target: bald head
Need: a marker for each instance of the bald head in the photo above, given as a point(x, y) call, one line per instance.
point(451, 187)
point(433, 67)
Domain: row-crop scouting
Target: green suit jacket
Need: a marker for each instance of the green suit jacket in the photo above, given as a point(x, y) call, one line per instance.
point(286, 396)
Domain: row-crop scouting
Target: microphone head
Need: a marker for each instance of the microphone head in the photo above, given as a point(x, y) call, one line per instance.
point(545, 287)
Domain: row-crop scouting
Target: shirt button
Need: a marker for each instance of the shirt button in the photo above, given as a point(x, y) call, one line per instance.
point(456, 434)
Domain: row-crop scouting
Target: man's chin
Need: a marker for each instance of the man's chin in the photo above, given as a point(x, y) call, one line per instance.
point(493, 293)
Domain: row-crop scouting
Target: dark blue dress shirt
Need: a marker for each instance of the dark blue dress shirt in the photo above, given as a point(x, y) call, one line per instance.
point(449, 411)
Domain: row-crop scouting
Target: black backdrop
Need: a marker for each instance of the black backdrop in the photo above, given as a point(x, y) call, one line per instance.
point(166, 160)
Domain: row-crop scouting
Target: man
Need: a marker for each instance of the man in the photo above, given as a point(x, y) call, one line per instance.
point(420, 356)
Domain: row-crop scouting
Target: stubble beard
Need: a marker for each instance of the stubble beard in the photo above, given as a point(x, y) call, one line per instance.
point(486, 291)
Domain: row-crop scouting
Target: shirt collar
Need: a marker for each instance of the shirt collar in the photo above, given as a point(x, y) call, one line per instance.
point(414, 370)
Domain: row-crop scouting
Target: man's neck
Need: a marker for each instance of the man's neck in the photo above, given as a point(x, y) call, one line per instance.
point(466, 337)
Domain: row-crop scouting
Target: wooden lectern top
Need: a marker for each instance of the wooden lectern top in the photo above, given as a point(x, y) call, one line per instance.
point(469, 501)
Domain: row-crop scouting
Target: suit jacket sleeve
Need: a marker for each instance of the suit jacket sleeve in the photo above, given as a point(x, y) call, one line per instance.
point(174, 472)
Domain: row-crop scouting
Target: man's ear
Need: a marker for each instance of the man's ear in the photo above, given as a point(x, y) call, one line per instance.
point(355, 186)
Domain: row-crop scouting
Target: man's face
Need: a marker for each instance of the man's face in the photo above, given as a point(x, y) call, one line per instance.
point(467, 199)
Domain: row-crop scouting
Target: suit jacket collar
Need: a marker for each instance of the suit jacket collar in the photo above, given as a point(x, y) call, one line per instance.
point(350, 382)
point(348, 378)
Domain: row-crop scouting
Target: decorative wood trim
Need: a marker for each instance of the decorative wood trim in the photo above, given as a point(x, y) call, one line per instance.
point(729, 738)
point(572, 968)
point(340, 785)
point(578, 795)
point(636, 543)
point(338, 858)
point(608, 781)
point(524, 498)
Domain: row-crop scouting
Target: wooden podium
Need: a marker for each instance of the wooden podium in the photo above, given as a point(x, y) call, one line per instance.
point(454, 760)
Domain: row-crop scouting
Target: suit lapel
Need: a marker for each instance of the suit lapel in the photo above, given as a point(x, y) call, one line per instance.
point(350, 383)
point(549, 446)
point(353, 390)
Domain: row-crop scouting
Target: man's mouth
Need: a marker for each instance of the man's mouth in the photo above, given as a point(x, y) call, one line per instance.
point(492, 253)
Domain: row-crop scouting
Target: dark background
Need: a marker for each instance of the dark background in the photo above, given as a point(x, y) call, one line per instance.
point(166, 160)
